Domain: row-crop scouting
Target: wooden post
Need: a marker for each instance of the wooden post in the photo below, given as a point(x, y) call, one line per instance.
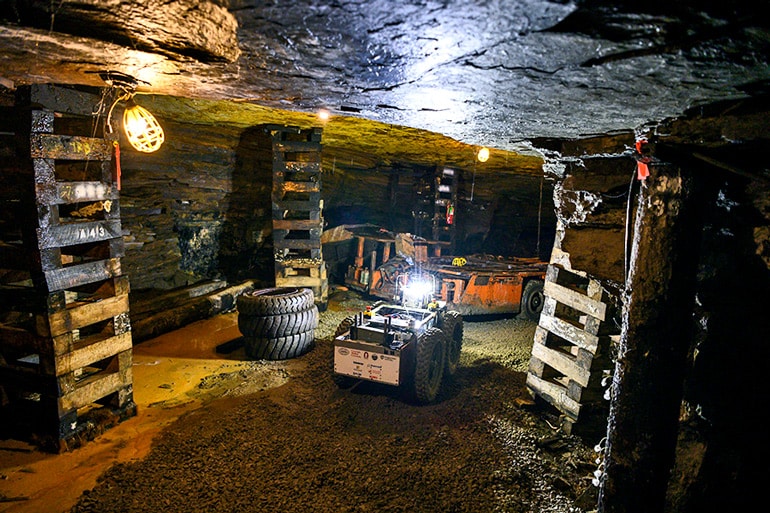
point(646, 391)
point(372, 267)
point(385, 251)
point(360, 253)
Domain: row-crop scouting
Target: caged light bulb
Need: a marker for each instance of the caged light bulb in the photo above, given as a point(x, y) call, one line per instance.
point(142, 129)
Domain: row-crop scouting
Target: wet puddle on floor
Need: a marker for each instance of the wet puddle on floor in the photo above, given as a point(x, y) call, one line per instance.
point(172, 374)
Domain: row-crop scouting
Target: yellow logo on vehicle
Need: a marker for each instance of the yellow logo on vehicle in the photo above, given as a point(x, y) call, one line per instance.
point(459, 261)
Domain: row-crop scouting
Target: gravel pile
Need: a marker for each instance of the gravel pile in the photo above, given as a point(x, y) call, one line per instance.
point(307, 446)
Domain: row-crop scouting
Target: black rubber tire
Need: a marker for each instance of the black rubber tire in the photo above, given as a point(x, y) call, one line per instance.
point(344, 326)
point(279, 348)
point(275, 301)
point(429, 365)
point(532, 300)
point(452, 326)
point(341, 380)
point(272, 326)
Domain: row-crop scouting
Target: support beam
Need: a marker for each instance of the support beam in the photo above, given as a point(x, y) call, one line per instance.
point(652, 354)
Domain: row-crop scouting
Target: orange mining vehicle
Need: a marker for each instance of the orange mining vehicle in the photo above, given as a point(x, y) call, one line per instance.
point(471, 285)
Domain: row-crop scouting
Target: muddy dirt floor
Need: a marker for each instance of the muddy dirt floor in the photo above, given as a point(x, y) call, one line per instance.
point(281, 437)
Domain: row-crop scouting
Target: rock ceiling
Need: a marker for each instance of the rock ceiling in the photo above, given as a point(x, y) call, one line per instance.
point(499, 73)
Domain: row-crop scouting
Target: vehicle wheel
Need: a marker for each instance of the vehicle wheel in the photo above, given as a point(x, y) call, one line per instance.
point(344, 326)
point(532, 300)
point(279, 348)
point(453, 331)
point(275, 301)
point(271, 326)
point(429, 365)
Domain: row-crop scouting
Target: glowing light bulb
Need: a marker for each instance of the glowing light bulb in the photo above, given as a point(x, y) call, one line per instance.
point(142, 129)
point(323, 115)
point(483, 155)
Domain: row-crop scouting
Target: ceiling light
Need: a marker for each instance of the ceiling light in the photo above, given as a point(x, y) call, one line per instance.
point(483, 154)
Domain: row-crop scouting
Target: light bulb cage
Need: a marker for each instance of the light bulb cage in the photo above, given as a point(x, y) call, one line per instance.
point(143, 131)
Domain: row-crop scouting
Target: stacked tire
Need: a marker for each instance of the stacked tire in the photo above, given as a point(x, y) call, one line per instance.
point(277, 323)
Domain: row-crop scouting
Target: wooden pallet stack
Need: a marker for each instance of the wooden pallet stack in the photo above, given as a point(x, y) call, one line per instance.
point(65, 332)
point(445, 205)
point(571, 350)
point(297, 210)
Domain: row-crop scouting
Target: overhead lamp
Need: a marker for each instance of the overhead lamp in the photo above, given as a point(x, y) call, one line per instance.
point(323, 114)
point(142, 129)
point(483, 154)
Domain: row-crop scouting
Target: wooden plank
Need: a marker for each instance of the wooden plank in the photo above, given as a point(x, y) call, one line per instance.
point(549, 305)
point(297, 224)
point(569, 332)
point(575, 299)
point(591, 323)
point(536, 367)
point(69, 147)
point(82, 274)
point(298, 281)
point(41, 121)
point(94, 388)
point(60, 99)
point(116, 286)
point(172, 298)
point(297, 146)
point(74, 192)
point(56, 236)
point(303, 167)
point(72, 340)
point(541, 335)
point(45, 170)
point(284, 187)
point(297, 244)
point(562, 362)
point(284, 271)
point(554, 394)
point(302, 263)
point(92, 353)
point(52, 259)
point(87, 314)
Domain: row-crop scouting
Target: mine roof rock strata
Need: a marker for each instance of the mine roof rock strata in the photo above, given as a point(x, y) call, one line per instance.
point(203, 30)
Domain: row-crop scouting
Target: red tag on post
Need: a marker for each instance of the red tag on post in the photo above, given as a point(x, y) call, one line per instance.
point(117, 163)
point(642, 171)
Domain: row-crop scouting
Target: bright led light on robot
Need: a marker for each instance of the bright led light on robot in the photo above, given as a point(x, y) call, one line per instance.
point(418, 289)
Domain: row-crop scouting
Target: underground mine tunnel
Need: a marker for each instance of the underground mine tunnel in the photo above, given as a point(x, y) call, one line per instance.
point(205, 204)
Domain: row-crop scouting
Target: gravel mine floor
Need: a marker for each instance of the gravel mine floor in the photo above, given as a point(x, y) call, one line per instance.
point(306, 445)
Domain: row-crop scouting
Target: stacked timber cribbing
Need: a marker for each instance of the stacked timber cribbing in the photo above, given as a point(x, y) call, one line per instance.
point(445, 206)
point(65, 333)
point(571, 350)
point(297, 210)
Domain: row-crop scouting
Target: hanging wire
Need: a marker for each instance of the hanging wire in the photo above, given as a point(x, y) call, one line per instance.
point(627, 231)
point(539, 214)
point(473, 183)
